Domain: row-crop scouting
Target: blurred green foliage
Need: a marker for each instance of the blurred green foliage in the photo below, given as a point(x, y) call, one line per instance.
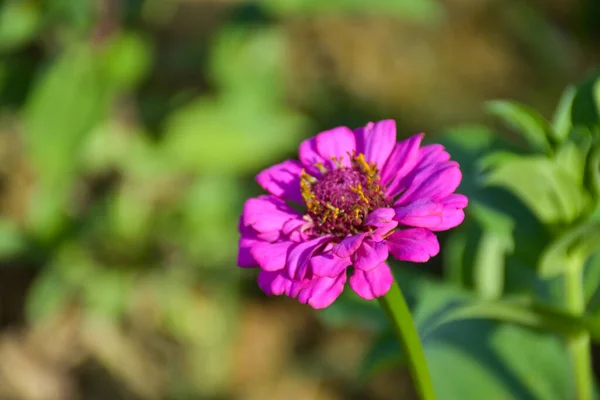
point(128, 144)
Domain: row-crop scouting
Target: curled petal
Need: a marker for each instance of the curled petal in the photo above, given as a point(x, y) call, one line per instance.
point(423, 214)
point(273, 283)
point(349, 245)
point(416, 245)
point(271, 256)
point(282, 180)
point(382, 220)
point(374, 283)
point(452, 214)
point(376, 141)
point(401, 161)
point(329, 264)
point(380, 217)
point(300, 255)
point(370, 255)
point(320, 292)
point(267, 213)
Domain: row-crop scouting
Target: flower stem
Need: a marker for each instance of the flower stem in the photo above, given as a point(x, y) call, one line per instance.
point(578, 345)
point(397, 311)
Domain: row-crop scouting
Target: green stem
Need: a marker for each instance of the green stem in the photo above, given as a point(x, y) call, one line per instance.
point(578, 345)
point(397, 311)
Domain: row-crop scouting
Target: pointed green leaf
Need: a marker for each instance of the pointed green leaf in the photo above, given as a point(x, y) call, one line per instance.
point(525, 121)
point(578, 243)
point(561, 122)
point(544, 186)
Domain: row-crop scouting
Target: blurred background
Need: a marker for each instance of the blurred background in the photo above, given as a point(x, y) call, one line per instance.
point(130, 135)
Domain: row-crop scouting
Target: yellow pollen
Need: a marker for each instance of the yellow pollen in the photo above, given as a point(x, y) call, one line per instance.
point(359, 190)
point(322, 169)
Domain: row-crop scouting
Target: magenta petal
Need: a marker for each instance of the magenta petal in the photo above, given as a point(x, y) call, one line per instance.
point(338, 142)
point(401, 161)
point(376, 141)
point(432, 183)
point(300, 255)
point(422, 214)
point(328, 265)
point(374, 283)
point(273, 283)
point(380, 216)
point(322, 292)
point(309, 156)
point(267, 213)
point(245, 258)
point(349, 245)
point(416, 245)
point(453, 214)
point(282, 180)
point(370, 255)
point(271, 256)
point(432, 154)
point(382, 220)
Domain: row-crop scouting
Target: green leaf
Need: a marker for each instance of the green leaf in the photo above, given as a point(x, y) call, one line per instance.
point(591, 281)
point(424, 10)
point(19, 23)
point(65, 105)
point(126, 60)
point(474, 358)
point(543, 185)
point(230, 135)
point(593, 174)
point(12, 240)
point(585, 110)
point(250, 61)
point(573, 247)
point(483, 255)
point(561, 122)
point(525, 121)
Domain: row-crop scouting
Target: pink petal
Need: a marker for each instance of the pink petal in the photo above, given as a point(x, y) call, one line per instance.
point(271, 256)
point(380, 216)
point(376, 141)
point(322, 292)
point(403, 159)
point(433, 154)
point(382, 220)
point(423, 214)
point(267, 213)
point(338, 142)
point(273, 283)
point(300, 255)
point(416, 245)
point(433, 183)
point(349, 245)
point(374, 283)
point(309, 156)
point(329, 264)
point(370, 255)
point(453, 214)
point(245, 258)
point(282, 180)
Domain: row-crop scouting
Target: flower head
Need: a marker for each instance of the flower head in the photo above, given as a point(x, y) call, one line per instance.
point(362, 197)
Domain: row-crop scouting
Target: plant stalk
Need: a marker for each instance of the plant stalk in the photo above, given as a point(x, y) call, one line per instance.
point(397, 311)
point(578, 344)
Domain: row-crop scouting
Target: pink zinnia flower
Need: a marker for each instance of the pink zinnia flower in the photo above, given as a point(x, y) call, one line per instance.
point(362, 196)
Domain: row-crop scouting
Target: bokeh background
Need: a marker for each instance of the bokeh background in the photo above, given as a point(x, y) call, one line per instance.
point(130, 135)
